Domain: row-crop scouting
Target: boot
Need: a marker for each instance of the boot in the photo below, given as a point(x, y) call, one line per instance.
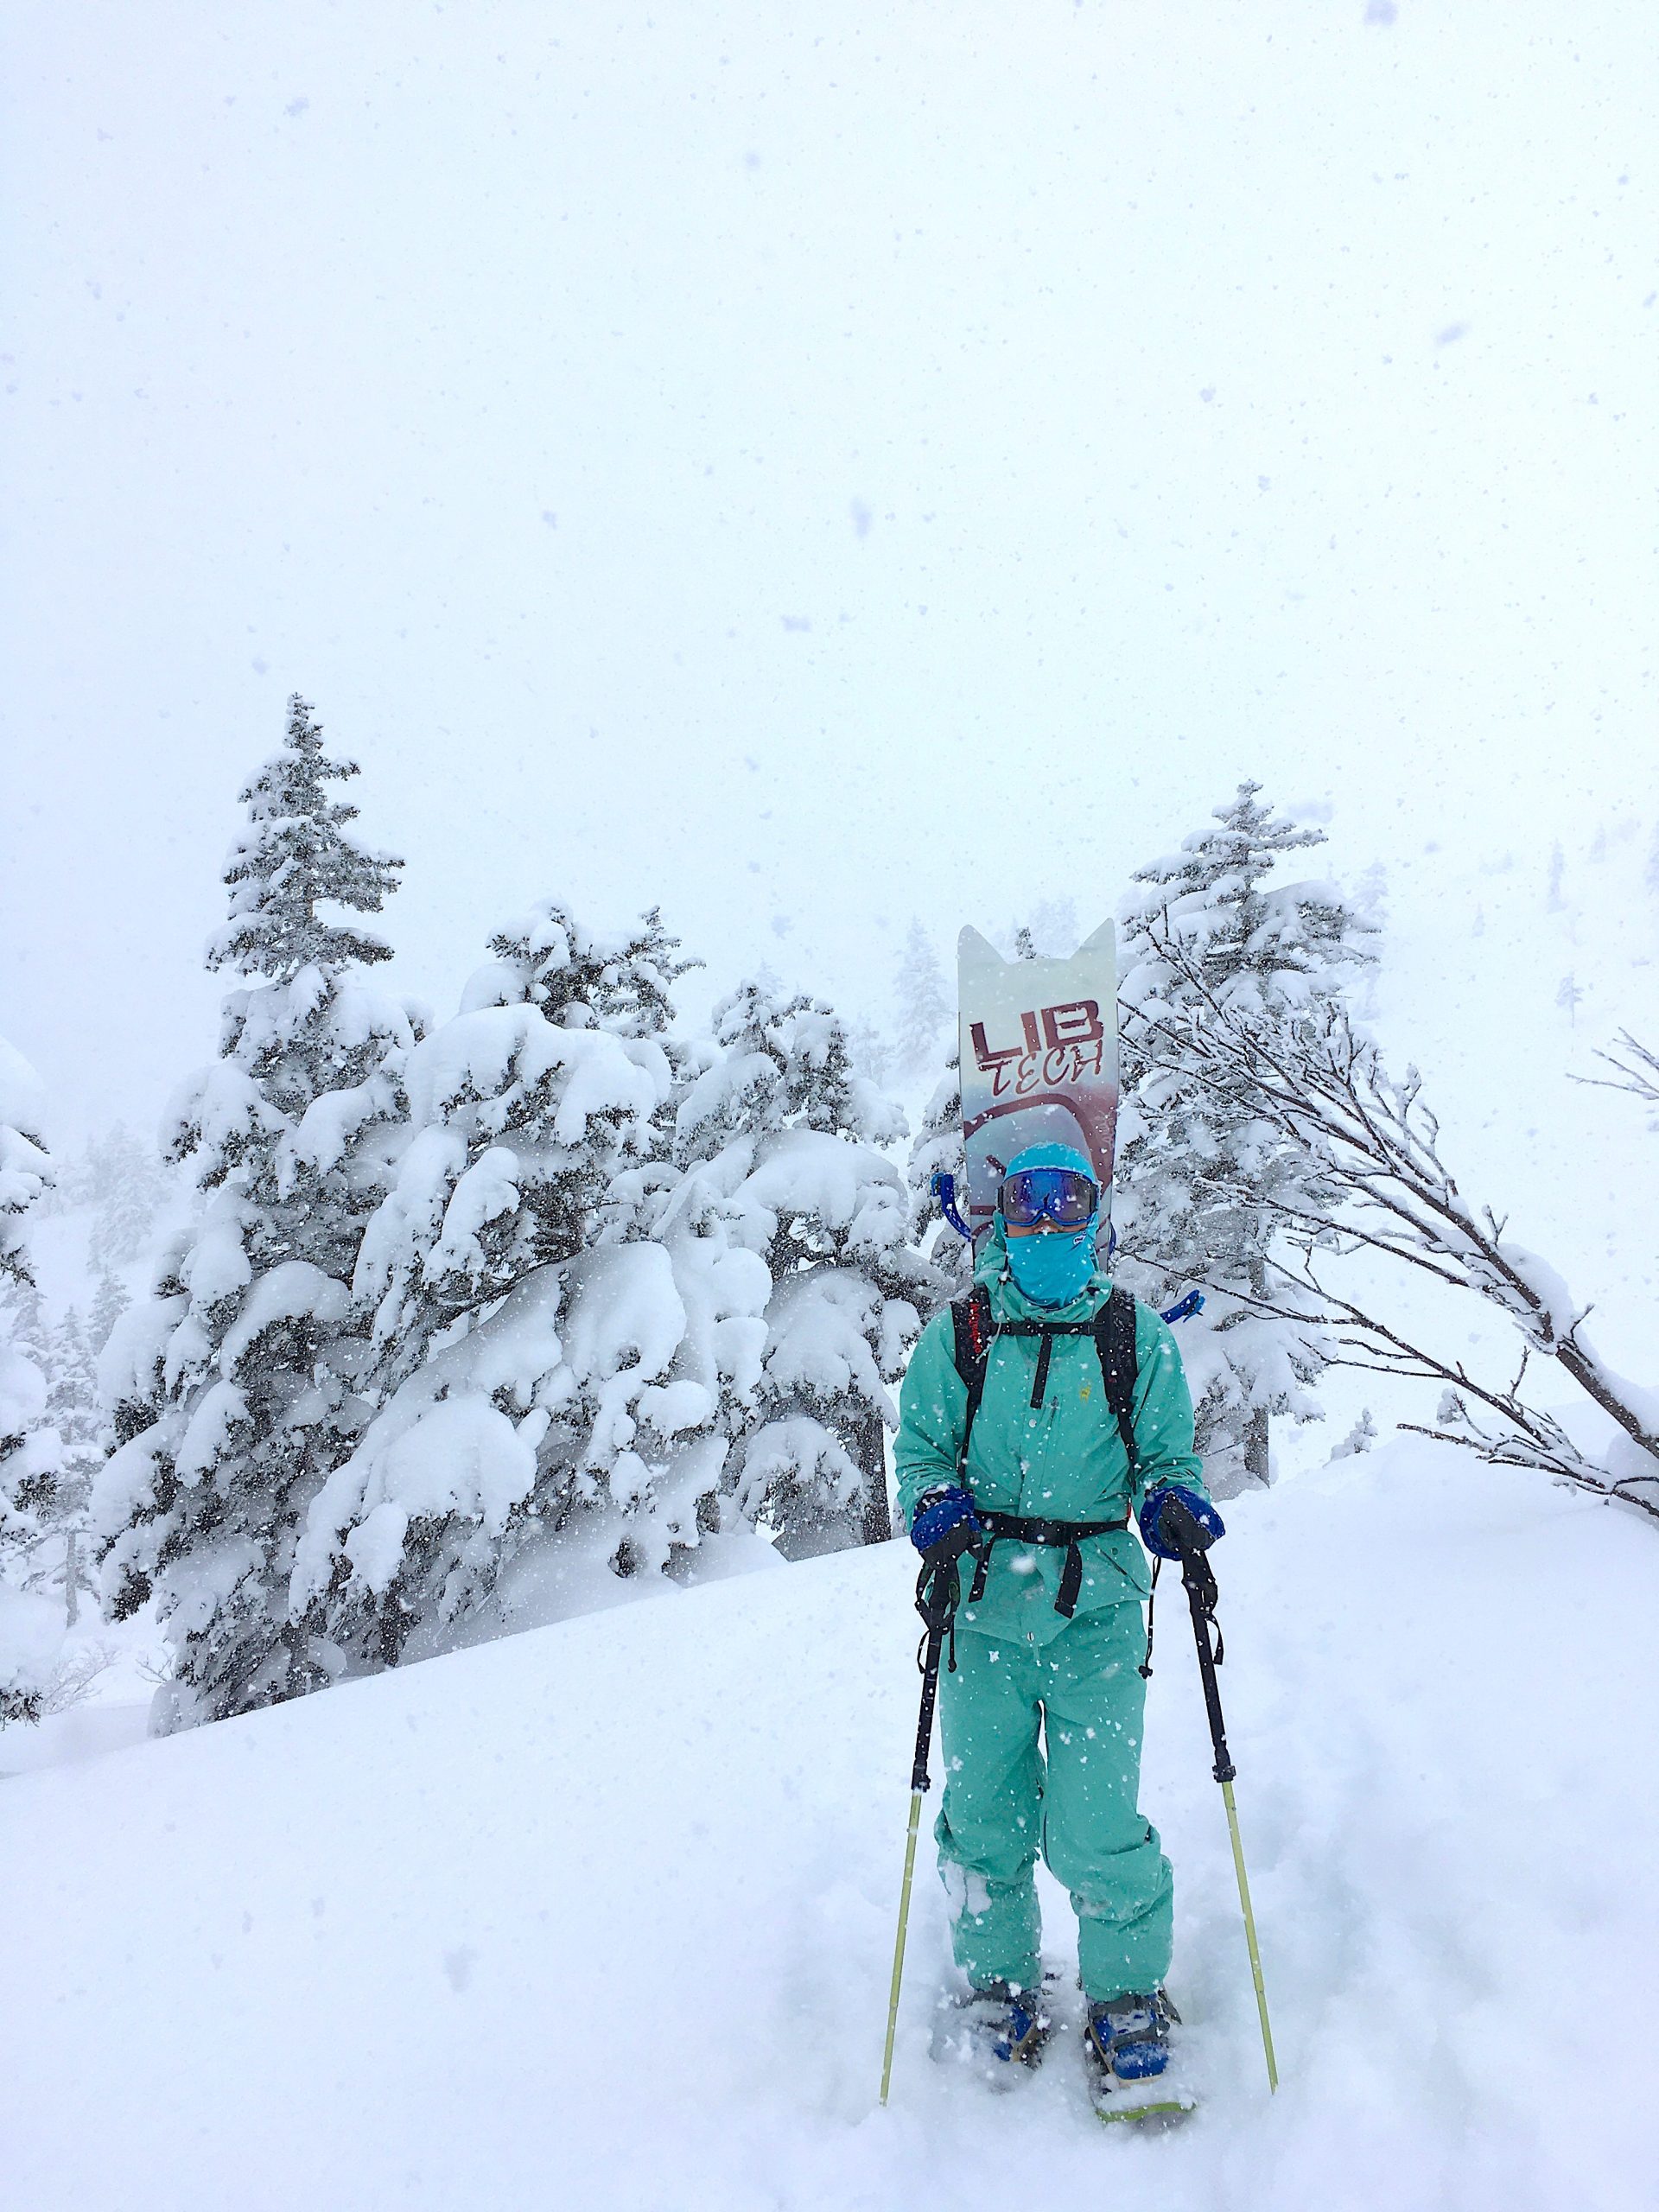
point(1127, 2037)
point(999, 2026)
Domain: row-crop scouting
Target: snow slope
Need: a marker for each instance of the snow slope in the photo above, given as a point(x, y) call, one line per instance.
point(602, 1915)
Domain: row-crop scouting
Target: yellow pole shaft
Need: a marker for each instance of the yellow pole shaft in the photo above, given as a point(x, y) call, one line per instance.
point(898, 1946)
point(1249, 1933)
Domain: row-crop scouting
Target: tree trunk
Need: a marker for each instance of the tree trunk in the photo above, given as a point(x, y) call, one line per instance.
point(70, 1579)
point(877, 1522)
point(1256, 1462)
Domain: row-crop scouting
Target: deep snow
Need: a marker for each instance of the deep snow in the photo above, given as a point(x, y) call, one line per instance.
point(602, 1915)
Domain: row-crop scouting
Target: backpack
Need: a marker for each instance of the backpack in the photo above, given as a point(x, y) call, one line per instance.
point(1112, 1329)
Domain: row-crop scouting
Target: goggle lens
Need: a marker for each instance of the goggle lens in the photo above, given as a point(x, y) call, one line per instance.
point(1069, 1200)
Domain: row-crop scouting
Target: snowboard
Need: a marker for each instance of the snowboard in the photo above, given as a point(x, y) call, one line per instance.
point(1039, 1057)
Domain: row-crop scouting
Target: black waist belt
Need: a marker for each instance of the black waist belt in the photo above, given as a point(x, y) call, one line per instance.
point(1019, 1530)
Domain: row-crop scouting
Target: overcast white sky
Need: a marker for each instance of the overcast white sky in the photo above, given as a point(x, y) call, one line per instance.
point(804, 464)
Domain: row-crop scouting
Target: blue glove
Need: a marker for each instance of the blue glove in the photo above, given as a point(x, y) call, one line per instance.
point(946, 1525)
point(1171, 1515)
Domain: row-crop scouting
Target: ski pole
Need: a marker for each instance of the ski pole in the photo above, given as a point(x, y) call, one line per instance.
point(937, 1593)
point(1202, 1594)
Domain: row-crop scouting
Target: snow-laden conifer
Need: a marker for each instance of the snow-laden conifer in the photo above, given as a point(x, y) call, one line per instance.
point(236, 1387)
point(782, 1135)
point(30, 1452)
point(25, 1164)
point(1049, 930)
point(871, 1053)
point(923, 1006)
point(548, 1366)
point(61, 1564)
point(120, 1182)
point(1362, 1437)
point(939, 1149)
point(110, 1302)
point(1203, 1182)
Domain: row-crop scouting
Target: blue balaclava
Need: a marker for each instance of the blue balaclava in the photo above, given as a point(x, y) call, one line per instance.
point(1053, 1266)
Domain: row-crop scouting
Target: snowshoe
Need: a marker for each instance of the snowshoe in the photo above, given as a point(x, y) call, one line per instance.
point(997, 2029)
point(1126, 2046)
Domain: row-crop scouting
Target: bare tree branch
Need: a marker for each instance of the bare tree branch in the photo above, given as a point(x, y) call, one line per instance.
point(1376, 1145)
point(1638, 1073)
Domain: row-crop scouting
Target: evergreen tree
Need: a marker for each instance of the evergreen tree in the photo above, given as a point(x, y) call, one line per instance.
point(529, 1330)
point(578, 980)
point(939, 1149)
point(124, 1184)
point(780, 1126)
point(109, 1304)
point(1204, 1189)
point(25, 1165)
point(872, 1055)
point(1051, 929)
point(924, 1007)
point(1362, 1437)
point(241, 1378)
point(30, 1455)
point(63, 1558)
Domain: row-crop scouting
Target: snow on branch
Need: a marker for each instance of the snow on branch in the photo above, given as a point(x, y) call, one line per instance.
point(1638, 1070)
point(1376, 1143)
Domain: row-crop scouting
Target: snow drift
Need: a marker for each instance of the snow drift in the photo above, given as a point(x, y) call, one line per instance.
point(602, 1915)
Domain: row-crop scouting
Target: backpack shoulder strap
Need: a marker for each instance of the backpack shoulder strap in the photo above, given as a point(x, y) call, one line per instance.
point(1120, 1367)
point(970, 1317)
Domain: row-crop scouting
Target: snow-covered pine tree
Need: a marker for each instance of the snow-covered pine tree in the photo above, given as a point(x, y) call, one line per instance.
point(550, 1371)
point(124, 1186)
point(1203, 1183)
point(922, 1006)
point(110, 1302)
point(1362, 1437)
point(1049, 928)
point(579, 979)
point(938, 1150)
point(787, 1138)
point(872, 1055)
point(62, 1561)
point(29, 1454)
point(25, 1165)
point(237, 1388)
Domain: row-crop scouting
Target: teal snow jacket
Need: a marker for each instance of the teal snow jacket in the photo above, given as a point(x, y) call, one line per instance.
point(1063, 1460)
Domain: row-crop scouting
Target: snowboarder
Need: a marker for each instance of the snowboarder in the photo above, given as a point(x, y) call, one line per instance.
point(1028, 1481)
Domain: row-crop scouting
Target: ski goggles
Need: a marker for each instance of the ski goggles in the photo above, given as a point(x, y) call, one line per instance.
point(1070, 1200)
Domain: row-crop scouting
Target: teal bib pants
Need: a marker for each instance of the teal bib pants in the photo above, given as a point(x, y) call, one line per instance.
point(1081, 1691)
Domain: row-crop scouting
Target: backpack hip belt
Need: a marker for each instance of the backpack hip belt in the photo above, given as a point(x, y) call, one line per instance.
point(1017, 1528)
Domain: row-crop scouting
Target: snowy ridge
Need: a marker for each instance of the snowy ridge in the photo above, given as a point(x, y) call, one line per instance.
point(602, 1915)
